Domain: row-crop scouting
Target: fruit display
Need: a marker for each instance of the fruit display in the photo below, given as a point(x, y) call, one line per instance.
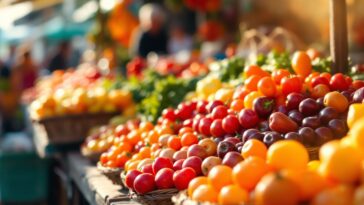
point(248, 132)
point(79, 91)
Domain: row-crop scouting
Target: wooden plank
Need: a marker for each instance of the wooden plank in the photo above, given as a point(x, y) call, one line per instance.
point(339, 36)
point(96, 188)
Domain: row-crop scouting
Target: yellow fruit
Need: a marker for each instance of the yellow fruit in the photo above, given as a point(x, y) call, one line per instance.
point(287, 154)
point(356, 133)
point(224, 94)
point(341, 163)
point(208, 86)
point(355, 113)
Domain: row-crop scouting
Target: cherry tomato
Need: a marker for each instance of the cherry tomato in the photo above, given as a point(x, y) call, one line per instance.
point(339, 82)
point(279, 74)
point(319, 80)
point(267, 87)
point(290, 85)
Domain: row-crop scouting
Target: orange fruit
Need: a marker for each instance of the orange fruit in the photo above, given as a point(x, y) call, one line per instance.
point(310, 183)
point(254, 70)
point(232, 194)
point(343, 164)
point(267, 87)
point(174, 142)
point(254, 147)
point(301, 64)
point(194, 183)
point(338, 195)
point(247, 173)
point(337, 101)
point(251, 83)
point(205, 193)
point(145, 152)
point(275, 189)
point(287, 154)
point(237, 105)
point(220, 176)
point(188, 139)
point(249, 99)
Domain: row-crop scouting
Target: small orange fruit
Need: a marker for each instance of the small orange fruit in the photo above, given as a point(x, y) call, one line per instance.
point(275, 189)
point(194, 183)
point(232, 194)
point(247, 173)
point(220, 176)
point(254, 147)
point(205, 193)
point(287, 154)
point(337, 101)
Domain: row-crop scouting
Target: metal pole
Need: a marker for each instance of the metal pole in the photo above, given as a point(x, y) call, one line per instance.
point(338, 36)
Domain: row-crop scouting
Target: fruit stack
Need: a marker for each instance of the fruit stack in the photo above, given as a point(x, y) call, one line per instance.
point(232, 141)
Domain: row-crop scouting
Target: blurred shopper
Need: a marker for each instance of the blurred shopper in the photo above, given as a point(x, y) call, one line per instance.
point(60, 61)
point(179, 40)
point(25, 71)
point(151, 36)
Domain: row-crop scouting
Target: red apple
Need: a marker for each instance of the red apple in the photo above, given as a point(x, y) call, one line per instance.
point(196, 150)
point(181, 154)
point(148, 168)
point(164, 178)
point(232, 158)
point(160, 163)
point(209, 163)
point(177, 165)
point(193, 162)
point(209, 145)
point(182, 178)
point(130, 177)
point(144, 183)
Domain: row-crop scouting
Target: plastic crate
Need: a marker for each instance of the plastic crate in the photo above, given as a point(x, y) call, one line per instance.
point(24, 177)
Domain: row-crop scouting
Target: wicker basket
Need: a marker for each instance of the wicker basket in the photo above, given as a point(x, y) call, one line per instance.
point(112, 173)
point(313, 152)
point(92, 156)
point(157, 197)
point(69, 129)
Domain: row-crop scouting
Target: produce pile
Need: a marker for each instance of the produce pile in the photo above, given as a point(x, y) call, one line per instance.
point(246, 140)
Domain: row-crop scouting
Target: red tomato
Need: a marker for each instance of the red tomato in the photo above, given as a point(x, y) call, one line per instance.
point(130, 178)
point(216, 129)
point(291, 85)
point(164, 178)
point(279, 74)
point(144, 183)
point(230, 124)
point(160, 163)
point(219, 112)
point(319, 80)
point(182, 178)
point(338, 82)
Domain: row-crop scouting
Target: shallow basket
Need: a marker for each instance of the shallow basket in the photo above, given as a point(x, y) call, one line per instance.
point(157, 197)
point(313, 152)
point(112, 173)
point(94, 157)
point(69, 129)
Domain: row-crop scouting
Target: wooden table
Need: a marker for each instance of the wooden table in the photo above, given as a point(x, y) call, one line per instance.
point(96, 188)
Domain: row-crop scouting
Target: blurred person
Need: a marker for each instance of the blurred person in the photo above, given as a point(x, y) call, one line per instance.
point(25, 71)
point(179, 40)
point(151, 36)
point(60, 61)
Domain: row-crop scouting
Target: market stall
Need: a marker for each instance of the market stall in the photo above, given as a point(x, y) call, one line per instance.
point(265, 121)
